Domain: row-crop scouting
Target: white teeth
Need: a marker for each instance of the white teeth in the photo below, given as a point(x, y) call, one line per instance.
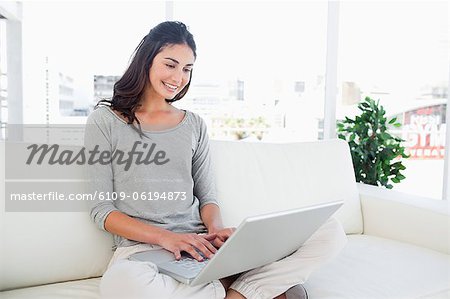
point(170, 86)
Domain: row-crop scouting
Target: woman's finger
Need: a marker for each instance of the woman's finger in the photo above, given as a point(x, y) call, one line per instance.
point(218, 243)
point(209, 246)
point(210, 236)
point(224, 236)
point(191, 250)
point(198, 243)
point(177, 254)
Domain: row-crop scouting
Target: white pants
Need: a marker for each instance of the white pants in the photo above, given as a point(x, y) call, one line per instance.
point(131, 279)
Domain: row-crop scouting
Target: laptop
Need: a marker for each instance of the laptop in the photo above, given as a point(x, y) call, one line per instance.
point(258, 240)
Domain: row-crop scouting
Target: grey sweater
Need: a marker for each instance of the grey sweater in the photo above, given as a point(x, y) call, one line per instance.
point(162, 179)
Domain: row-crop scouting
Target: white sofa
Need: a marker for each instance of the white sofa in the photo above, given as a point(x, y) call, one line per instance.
point(398, 244)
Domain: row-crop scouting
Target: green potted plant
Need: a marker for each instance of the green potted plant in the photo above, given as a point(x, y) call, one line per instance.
point(376, 154)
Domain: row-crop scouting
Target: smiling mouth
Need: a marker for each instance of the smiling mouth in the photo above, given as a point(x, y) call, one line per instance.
point(170, 86)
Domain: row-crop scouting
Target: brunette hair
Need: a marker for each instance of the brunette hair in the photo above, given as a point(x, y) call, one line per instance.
point(129, 89)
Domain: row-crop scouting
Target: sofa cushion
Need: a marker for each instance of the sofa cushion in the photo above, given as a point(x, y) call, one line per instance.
point(368, 267)
point(86, 289)
point(40, 248)
point(255, 178)
point(372, 267)
point(47, 247)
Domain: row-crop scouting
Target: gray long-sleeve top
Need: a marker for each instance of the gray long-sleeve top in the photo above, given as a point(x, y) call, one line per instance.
point(164, 181)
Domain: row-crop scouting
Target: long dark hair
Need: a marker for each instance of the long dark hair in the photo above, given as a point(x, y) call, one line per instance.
point(130, 87)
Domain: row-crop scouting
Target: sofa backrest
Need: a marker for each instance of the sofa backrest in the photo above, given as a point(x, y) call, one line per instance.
point(255, 178)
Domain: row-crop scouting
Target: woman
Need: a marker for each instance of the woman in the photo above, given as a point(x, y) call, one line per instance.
point(157, 189)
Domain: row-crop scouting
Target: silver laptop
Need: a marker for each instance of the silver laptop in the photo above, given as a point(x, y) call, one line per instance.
point(257, 241)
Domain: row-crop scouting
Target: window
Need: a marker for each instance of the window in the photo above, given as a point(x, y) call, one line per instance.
point(63, 53)
point(260, 71)
point(398, 52)
point(260, 68)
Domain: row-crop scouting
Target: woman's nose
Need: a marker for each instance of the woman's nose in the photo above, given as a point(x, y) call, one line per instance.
point(177, 77)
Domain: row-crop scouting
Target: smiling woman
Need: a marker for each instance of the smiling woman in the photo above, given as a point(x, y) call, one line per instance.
point(160, 74)
point(170, 72)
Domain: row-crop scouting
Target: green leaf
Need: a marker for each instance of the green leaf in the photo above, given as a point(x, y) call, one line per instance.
point(397, 125)
point(393, 120)
point(385, 136)
point(349, 120)
point(400, 177)
point(396, 165)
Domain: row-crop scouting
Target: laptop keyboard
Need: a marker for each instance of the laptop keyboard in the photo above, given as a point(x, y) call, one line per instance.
point(190, 264)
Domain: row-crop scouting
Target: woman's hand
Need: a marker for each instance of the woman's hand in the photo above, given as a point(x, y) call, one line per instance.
point(176, 242)
point(222, 235)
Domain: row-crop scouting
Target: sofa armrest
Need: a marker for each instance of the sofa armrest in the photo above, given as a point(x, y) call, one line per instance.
point(408, 218)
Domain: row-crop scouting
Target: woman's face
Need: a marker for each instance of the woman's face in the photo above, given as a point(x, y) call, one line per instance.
point(170, 71)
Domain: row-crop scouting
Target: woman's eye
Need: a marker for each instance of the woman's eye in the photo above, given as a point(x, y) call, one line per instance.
point(172, 67)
